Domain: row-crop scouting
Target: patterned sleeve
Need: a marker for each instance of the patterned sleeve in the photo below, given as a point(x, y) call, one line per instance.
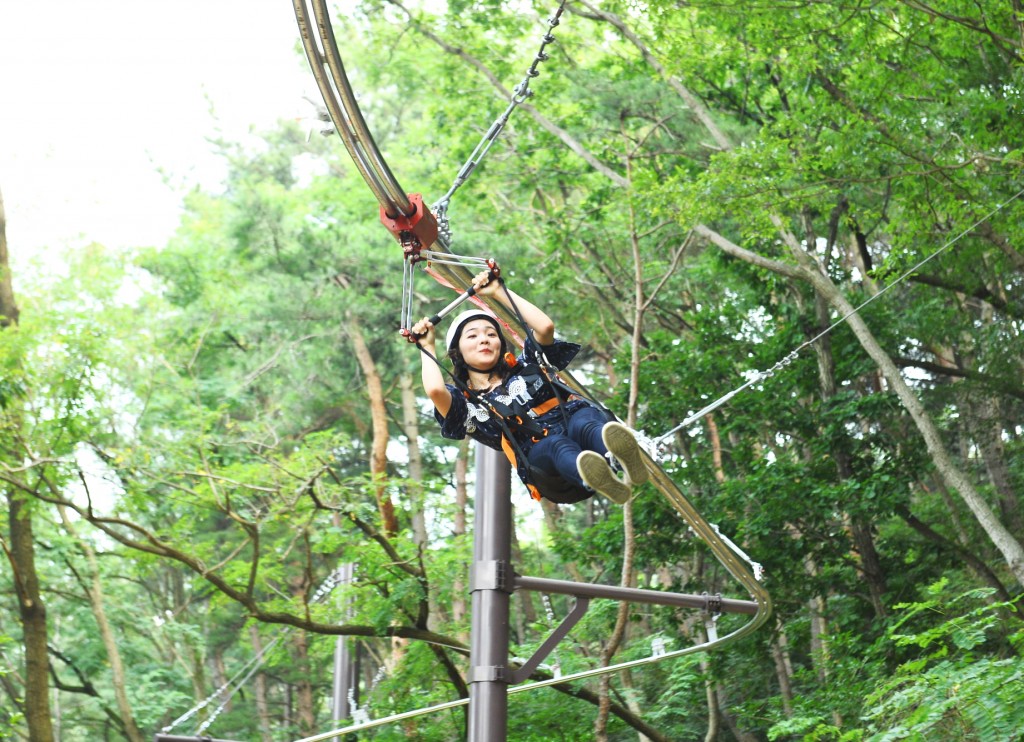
point(454, 425)
point(559, 354)
point(458, 424)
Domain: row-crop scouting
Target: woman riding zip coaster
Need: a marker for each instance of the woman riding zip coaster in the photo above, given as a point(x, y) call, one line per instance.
point(570, 439)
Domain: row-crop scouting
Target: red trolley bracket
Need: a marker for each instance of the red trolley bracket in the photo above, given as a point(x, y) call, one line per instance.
point(416, 231)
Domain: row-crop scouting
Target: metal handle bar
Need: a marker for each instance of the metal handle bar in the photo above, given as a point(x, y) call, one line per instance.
point(495, 272)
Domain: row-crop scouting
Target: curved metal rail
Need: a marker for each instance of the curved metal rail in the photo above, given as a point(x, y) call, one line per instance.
point(344, 111)
point(747, 628)
point(360, 144)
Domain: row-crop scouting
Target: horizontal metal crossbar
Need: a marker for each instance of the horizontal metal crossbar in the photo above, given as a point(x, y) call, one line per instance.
point(712, 603)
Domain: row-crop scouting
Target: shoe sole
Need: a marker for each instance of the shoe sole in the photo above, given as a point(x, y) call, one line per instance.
point(623, 446)
point(596, 474)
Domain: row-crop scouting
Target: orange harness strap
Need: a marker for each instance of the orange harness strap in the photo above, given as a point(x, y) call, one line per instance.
point(509, 449)
point(510, 454)
point(545, 406)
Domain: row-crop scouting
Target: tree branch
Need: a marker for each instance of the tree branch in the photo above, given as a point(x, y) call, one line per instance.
point(1011, 390)
point(731, 248)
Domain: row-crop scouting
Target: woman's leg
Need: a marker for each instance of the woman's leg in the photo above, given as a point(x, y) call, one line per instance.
point(559, 454)
point(578, 455)
point(591, 429)
point(585, 428)
point(556, 454)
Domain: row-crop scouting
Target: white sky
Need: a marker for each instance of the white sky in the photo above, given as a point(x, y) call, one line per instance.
point(98, 96)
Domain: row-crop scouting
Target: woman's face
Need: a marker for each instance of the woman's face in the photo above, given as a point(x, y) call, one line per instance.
point(480, 344)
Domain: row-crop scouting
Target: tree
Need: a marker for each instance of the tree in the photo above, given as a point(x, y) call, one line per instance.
point(692, 192)
point(20, 546)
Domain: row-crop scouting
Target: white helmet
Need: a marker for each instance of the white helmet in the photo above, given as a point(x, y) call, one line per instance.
point(455, 329)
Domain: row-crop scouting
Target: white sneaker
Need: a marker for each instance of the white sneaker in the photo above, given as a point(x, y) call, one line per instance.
point(596, 474)
point(622, 445)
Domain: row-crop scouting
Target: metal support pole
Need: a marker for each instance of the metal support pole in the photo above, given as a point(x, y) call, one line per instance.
point(344, 676)
point(491, 587)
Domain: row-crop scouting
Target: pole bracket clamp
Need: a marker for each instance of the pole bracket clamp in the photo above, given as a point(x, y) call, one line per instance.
point(491, 574)
point(712, 604)
point(489, 674)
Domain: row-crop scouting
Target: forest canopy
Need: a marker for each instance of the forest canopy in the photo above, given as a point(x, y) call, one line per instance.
point(219, 469)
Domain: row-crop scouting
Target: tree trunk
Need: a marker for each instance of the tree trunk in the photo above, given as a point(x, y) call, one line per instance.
point(95, 593)
point(33, 619)
point(710, 698)
point(21, 552)
point(379, 419)
point(305, 716)
point(716, 447)
point(816, 610)
point(621, 624)
point(414, 488)
point(868, 561)
point(628, 576)
point(525, 615)
point(411, 428)
point(8, 307)
point(219, 673)
point(783, 669)
point(260, 688)
point(866, 555)
point(987, 429)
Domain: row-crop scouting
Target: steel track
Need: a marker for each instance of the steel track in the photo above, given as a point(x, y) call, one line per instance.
point(341, 104)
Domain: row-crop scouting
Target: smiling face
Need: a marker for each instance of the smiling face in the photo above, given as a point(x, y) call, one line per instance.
point(480, 344)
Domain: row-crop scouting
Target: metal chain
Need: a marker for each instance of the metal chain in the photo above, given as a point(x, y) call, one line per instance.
point(519, 94)
point(756, 378)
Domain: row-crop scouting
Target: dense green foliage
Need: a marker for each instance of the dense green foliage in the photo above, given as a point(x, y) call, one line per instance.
point(188, 429)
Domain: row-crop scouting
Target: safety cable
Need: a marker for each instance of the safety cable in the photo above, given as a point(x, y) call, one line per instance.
point(519, 95)
point(238, 686)
point(759, 376)
point(249, 668)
